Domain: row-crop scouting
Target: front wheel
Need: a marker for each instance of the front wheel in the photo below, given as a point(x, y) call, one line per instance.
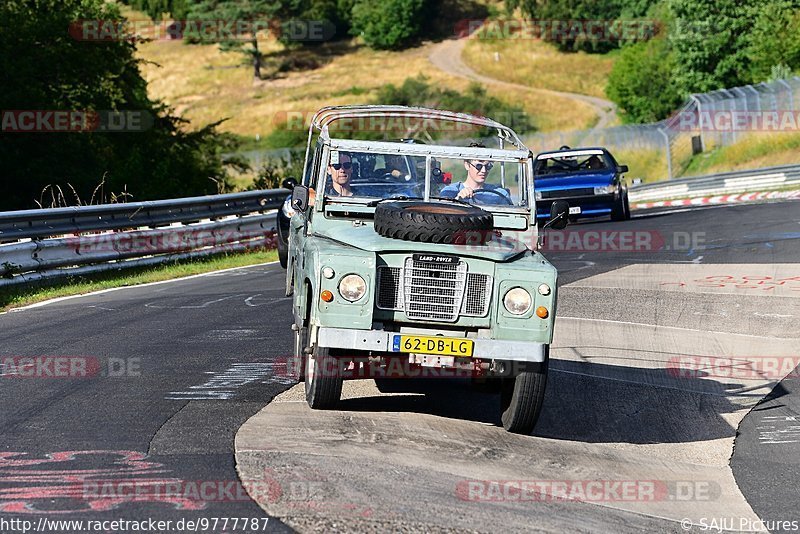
point(522, 397)
point(323, 379)
point(621, 210)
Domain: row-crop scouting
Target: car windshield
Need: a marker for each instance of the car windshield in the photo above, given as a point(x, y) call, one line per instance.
point(381, 176)
point(570, 162)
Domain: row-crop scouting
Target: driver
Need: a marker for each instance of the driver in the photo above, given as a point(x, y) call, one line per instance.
point(340, 170)
point(477, 171)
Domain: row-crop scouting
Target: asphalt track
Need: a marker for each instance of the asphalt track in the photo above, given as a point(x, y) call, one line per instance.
point(177, 369)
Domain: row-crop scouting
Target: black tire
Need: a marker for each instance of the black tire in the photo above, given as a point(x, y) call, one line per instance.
point(522, 397)
point(434, 222)
point(283, 247)
point(618, 210)
point(627, 205)
point(323, 379)
point(298, 362)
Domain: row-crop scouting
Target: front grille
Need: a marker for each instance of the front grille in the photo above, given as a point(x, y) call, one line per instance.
point(567, 193)
point(477, 296)
point(390, 288)
point(433, 291)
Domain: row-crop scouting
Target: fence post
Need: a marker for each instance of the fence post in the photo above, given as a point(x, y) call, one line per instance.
point(669, 153)
point(699, 120)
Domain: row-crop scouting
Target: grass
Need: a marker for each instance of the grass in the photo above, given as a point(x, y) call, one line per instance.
point(540, 65)
point(25, 294)
point(752, 152)
point(205, 85)
point(649, 165)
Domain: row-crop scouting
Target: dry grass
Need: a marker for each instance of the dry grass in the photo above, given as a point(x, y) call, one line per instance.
point(539, 64)
point(205, 85)
point(752, 152)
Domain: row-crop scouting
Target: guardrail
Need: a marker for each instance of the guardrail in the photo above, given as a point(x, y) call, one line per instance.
point(729, 183)
point(49, 243)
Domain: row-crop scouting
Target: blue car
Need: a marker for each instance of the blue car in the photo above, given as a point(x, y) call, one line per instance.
point(589, 179)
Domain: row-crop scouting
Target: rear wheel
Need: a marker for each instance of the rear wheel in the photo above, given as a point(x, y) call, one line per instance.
point(521, 397)
point(323, 379)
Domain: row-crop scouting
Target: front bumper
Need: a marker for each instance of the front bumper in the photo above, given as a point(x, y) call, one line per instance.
point(381, 341)
point(591, 206)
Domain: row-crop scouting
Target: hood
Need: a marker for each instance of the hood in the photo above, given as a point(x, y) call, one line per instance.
point(569, 181)
point(499, 249)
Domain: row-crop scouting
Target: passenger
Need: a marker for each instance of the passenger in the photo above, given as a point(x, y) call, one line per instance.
point(340, 174)
point(595, 163)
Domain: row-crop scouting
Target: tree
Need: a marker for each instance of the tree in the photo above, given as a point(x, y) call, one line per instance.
point(709, 40)
point(249, 17)
point(566, 19)
point(774, 53)
point(61, 73)
point(387, 24)
point(641, 82)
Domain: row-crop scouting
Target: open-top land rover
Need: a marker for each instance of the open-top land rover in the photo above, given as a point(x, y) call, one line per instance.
point(417, 257)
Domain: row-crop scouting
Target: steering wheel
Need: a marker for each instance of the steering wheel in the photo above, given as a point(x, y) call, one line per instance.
point(494, 192)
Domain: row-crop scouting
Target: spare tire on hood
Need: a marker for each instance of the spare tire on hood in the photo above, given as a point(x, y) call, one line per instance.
point(435, 221)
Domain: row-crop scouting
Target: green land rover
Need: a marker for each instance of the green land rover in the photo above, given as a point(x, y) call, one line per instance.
point(420, 259)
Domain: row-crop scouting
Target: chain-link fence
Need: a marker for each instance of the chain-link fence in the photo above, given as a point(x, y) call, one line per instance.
point(706, 121)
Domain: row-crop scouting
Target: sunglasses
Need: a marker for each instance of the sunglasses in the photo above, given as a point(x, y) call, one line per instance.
point(479, 166)
point(347, 165)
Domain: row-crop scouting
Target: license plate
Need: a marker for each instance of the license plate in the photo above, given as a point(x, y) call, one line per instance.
point(448, 346)
point(574, 210)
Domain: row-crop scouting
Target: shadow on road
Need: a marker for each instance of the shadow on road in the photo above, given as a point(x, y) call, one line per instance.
point(586, 402)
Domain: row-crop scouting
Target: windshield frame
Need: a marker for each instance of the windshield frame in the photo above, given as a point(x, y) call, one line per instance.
point(516, 157)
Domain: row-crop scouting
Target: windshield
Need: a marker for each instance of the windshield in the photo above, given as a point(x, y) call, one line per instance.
point(381, 176)
point(570, 162)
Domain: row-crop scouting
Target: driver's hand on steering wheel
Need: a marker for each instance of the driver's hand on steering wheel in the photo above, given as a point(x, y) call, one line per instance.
point(466, 192)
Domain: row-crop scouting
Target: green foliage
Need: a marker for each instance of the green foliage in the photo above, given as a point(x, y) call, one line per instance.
point(641, 82)
point(774, 41)
point(418, 92)
point(276, 169)
point(709, 43)
point(572, 36)
point(61, 73)
point(387, 24)
point(178, 9)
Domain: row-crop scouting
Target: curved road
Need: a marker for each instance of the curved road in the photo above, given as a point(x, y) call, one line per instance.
point(446, 56)
point(126, 404)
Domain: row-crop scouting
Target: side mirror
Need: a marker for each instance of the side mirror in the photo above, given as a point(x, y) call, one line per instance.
point(559, 215)
point(622, 169)
point(300, 198)
point(289, 183)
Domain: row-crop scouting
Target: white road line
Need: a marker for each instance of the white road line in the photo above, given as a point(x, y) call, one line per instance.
point(148, 284)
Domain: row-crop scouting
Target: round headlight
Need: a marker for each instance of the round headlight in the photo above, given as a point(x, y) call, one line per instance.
point(352, 287)
point(517, 301)
point(544, 290)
